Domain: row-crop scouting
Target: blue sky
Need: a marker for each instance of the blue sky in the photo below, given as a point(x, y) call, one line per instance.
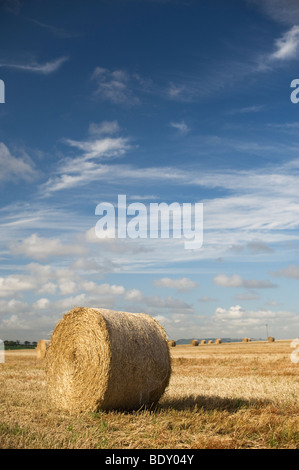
point(162, 101)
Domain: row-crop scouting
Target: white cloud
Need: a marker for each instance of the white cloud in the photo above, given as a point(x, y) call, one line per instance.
point(247, 109)
point(15, 168)
point(206, 298)
point(45, 69)
point(13, 284)
point(85, 168)
point(115, 86)
point(183, 285)
point(181, 127)
point(238, 320)
point(134, 294)
point(98, 149)
point(280, 10)
point(287, 45)
point(103, 289)
point(41, 248)
point(236, 281)
point(41, 303)
point(247, 296)
point(174, 90)
point(104, 128)
point(291, 271)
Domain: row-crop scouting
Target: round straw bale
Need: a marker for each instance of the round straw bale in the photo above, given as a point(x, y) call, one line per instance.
point(210, 341)
point(194, 342)
point(244, 340)
point(102, 359)
point(271, 339)
point(41, 348)
point(218, 341)
point(171, 343)
point(203, 341)
point(248, 339)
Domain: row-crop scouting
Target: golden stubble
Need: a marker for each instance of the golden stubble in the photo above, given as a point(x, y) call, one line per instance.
point(238, 395)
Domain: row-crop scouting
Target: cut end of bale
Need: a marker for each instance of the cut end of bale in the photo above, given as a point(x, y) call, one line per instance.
point(171, 343)
point(271, 339)
point(194, 342)
point(203, 341)
point(102, 359)
point(41, 348)
point(218, 341)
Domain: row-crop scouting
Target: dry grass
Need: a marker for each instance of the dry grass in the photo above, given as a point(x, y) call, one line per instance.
point(238, 395)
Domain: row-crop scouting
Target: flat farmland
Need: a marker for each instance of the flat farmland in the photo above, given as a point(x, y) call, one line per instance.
point(226, 396)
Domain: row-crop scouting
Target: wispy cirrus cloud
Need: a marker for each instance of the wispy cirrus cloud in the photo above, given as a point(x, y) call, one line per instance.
point(56, 31)
point(14, 168)
point(181, 127)
point(286, 47)
point(282, 11)
point(35, 67)
point(115, 86)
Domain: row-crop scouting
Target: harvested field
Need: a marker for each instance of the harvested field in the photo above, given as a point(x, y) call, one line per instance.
point(232, 395)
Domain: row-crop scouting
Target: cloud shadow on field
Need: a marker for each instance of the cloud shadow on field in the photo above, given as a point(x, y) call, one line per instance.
point(209, 403)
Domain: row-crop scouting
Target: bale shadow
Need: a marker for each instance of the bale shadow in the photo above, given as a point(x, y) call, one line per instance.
point(209, 403)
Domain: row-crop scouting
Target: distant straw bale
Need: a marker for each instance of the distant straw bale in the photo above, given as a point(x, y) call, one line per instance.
point(218, 341)
point(41, 348)
point(271, 339)
point(102, 359)
point(203, 341)
point(171, 343)
point(244, 340)
point(210, 341)
point(194, 342)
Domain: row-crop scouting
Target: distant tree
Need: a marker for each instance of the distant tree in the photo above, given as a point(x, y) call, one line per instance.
point(26, 343)
point(34, 343)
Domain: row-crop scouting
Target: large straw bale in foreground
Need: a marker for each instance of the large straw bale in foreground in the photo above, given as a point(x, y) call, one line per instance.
point(101, 359)
point(41, 348)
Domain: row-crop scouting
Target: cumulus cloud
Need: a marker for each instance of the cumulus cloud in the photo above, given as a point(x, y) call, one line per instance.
point(41, 248)
point(134, 294)
point(183, 284)
point(13, 284)
point(237, 281)
point(238, 320)
point(291, 271)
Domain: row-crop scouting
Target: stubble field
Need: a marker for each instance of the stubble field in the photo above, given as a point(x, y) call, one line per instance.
point(227, 396)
